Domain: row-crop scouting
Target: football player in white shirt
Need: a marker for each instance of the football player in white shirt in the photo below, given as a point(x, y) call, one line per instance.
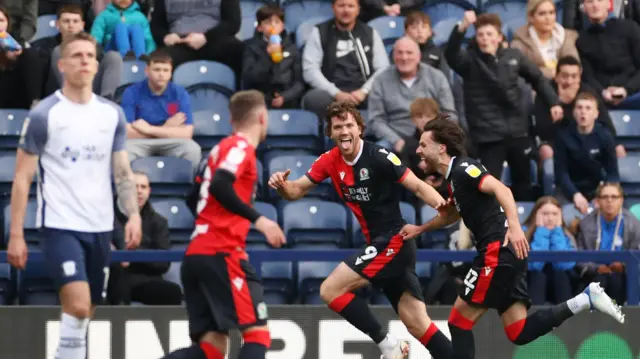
point(76, 139)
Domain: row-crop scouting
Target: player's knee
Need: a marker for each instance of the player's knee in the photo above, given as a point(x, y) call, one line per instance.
point(458, 322)
point(257, 335)
point(414, 317)
point(328, 292)
point(78, 309)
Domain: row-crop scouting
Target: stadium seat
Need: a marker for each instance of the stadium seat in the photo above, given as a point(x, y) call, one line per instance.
point(277, 279)
point(508, 10)
point(297, 11)
point(169, 176)
point(255, 238)
point(261, 184)
point(310, 276)
point(173, 274)
point(447, 10)
point(629, 168)
point(506, 173)
point(7, 284)
point(304, 30)
point(30, 229)
point(570, 212)
point(390, 28)
point(202, 74)
point(510, 26)
point(249, 8)
point(11, 121)
point(436, 239)
point(524, 210)
point(45, 27)
point(315, 223)
point(293, 130)
point(132, 72)
point(181, 221)
point(299, 165)
point(357, 238)
point(627, 124)
point(210, 127)
point(442, 31)
point(35, 286)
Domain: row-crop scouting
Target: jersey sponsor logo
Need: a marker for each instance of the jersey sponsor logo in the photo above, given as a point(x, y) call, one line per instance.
point(85, 153)
point(394, 159)
point(369, 253)
point(238, 283)
point(473, 171)
point(69, 268)
point(356, 194)
point(364, 174)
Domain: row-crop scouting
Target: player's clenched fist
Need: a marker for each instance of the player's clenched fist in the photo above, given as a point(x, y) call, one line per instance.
point(271, 230)
point(17, 252)
point(277, 180)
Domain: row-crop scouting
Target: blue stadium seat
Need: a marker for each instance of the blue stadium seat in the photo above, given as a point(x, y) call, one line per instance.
point(181, 221)
point(627, 124)
point(506, 173)
point(210, 127)
point(524, 210)
point(45, 27)
point(261, 184)
point(390, 28)
point(169, 176)
point(30, 229)
point(508, 10)
point(310, 276)
point(629, 168)
point(35, 286)
point(173, 274)
point(277, 279)
point(299, 165)
point(447, 9)
point(570, 212)
point(11, 121)
point(435, 239)
point(248, 8)
point(208, 100)
point(315, 223)
point(303, 31)
point(357, 238)
point(132, 72)
point(255, 237)
point(7, 284)
point(511, 25)
point(202, 74)
point(442, 30)
point(247, 28)
point(297, 11)
point(292, 130)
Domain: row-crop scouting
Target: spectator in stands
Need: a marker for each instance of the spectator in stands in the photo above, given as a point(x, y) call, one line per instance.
point(47, 7)
point(417, 26)
point(546, 231)
point(376, 8)
point(574, 17)
point(493, 98)
point(142, 281)
point(341, 58)
point(395, 88)
point(543, 40)
point(20, 73)
point(24, 18)
point(610, 53)
point(274, 69)
point(70, 22)
point(611, 227)
point(585, 155)
point(160, 122)
point(124, 28)
point(199, 30)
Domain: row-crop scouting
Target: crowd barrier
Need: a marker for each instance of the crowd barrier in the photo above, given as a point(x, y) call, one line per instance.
point(257, 257)
point(305, 332)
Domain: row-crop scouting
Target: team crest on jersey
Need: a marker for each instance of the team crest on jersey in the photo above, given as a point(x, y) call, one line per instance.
point(473, 171)
point(364, 174)
point(394, 159)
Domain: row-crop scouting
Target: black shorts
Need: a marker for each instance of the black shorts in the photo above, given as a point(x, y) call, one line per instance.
point(222, 292)
point(496, 279)
point(389, 264)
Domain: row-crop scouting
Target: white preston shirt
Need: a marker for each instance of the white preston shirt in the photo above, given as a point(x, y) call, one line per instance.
point(74, 143)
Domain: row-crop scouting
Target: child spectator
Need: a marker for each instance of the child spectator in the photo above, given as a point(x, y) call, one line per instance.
point(272, 68)
point(124, 28)
point(417, 26)
point(546, 231)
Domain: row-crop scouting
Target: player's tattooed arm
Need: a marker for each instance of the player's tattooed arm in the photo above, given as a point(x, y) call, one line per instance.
point(125, 183)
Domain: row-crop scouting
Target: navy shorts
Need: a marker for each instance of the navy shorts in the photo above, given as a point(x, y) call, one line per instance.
point(78, 256)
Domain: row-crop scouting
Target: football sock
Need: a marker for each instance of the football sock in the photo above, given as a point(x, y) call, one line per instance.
point(436, 343)
point(256, 343)
point(73, 337)
point(357, 312)
point(462, 343)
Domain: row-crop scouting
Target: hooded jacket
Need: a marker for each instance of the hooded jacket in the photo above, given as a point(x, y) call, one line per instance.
point(106, 22)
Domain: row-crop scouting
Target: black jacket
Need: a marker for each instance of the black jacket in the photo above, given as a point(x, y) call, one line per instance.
point(610, 55)
point(544, 127)
point(493, 96)
point(573, 16)
point(259, 72)
point(155, 235)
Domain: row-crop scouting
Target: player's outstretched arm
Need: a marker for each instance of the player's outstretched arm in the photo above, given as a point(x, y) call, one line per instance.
point(127, 197)
point(290, 190)
point(425, 192)
point(26, 165)
point(490, 185)
point(447, 215)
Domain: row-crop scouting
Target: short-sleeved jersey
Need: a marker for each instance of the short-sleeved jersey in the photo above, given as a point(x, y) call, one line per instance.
point(74, 143)
point(480, 212)
point(217, 229)
point(369, 186)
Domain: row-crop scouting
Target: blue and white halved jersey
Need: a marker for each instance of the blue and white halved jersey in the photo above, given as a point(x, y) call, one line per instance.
point(74, 143)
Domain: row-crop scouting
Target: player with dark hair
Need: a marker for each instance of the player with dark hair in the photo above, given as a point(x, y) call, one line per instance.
point(368, 178)
point(222, 290)
point(497, 278)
